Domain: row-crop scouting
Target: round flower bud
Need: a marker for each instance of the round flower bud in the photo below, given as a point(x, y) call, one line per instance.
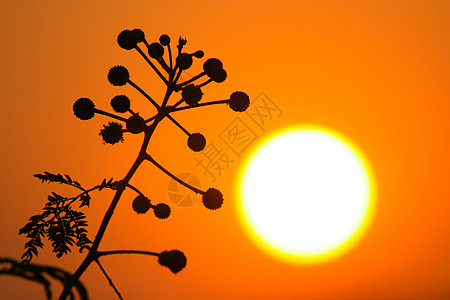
point(212, 199)
point(191, 94)
point(219, 75)
point(135, 124)
point(155, 50)
point(84, 109)
point(127, 39)
point(112, 133)
point(198, 54)
point(239, 101)
point(184, 61)
point(211, 65)
point(161, 210)
point(138, 35)
point(173, 259)
point(118, 75)
point(164, 40)
point(120, 103)
point(196, 142)
point(141, 204)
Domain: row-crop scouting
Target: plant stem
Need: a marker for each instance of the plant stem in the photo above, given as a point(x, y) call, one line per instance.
point(135, 189)
point(201, 104)
point(163, 64)
point(103, 253)
point(170, 56)
point(151, 64)
point(175, 107)
point(101, 112)
point(144, 93)
point(180, 85)
point(92, 255)
point(178, 124)
point(205, 83)
point(109, 279)
point(194, 189)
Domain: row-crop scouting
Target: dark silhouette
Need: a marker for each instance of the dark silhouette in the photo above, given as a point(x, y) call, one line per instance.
point(63, 223)
point(40, 274)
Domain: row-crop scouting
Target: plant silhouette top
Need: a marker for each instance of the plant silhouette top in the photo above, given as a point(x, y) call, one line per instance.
point(62, 221)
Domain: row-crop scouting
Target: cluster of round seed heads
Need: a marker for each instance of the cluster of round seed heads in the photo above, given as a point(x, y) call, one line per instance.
point(120, 103)
point(191, 94)
point(84, 109)
point(128, 39)
point(141, 204)
point(239, 101)
point(112, 133)
point(175, 260)
point(196, 142)
point(118, 75)
point(212, 199)
point(213, 67)
point(161, 211)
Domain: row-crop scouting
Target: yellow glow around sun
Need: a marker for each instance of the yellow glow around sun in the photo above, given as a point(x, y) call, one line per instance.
point(306, 195)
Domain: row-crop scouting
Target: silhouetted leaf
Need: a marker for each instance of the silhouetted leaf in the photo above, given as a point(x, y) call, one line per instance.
point(69, 180)
point(60, 223)
point(107, 184)
point(50, 177)
point(85, 200)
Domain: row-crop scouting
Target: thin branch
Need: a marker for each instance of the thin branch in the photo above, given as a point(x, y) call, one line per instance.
point(205, 83)
point(86, 192)
point(150, 63)
point(109, 279)
point(175, 107)
point(101, 112)
point(194, 189)
point(103, 253)
point(178, 75)
point(168, 92)
point(178, 124)
point(135, 189)
point(191, 80)
point(201, 104)
point(164, 111)
point(178, 103)
point(144, 94)
point(131, 112)
point(152, 118)
point(163, 64)
point(170, 56)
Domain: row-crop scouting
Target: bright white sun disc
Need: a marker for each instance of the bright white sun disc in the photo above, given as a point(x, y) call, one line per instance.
point(305, 193)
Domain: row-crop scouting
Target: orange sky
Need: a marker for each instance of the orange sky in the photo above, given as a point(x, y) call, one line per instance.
point(376, 71)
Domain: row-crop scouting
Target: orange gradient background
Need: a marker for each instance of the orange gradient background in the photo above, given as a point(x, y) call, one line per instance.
point(375, 71)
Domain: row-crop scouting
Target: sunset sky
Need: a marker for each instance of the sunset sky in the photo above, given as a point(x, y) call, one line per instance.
point(376, 72)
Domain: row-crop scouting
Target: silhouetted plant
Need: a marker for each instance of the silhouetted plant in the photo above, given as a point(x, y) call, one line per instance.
point(41, 274)
point(61, 221)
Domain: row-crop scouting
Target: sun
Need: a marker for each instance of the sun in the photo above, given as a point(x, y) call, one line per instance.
point(306, 195)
